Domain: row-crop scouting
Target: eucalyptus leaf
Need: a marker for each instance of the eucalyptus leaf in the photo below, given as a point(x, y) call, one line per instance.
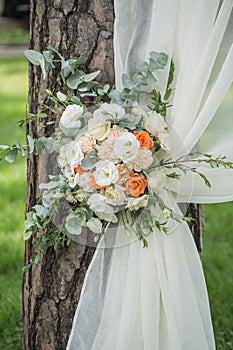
point(11, 155)
point(74, 80)
point(48, 56)
point(157, 60)
point(89, 161)
point(89, 77)
point(116, 96)
point(31, 143)
point(74, 224)
point(48, 186)
point(4, 147)
point(19, 146)
point(128, 82)
point(34, 57)
point(41, 211)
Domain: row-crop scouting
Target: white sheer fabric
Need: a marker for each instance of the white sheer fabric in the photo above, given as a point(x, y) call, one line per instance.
point(156, 298)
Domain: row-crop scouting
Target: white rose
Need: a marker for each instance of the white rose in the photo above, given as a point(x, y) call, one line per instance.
point(157, 180)
point(97, 203)
point(115, 195)
point(70, 119)
point(98, 129)
point(154, 123)
point(95, 225)
point(112, 110)
point(126, 147)
point(137, 203)
point(106, 173)
point(74, 154)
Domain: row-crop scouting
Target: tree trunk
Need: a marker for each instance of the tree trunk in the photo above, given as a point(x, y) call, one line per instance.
point(51, 290)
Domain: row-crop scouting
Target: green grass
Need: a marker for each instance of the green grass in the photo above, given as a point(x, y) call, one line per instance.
point(13, 35)
point(13, 90)
point(218, 266)
point(218, 240)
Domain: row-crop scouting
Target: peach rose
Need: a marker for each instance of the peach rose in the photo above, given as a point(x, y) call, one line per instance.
point(135, 185)
point(144, 139)
point(87, 143)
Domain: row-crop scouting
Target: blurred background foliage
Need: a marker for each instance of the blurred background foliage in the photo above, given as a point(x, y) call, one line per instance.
point(218, 238)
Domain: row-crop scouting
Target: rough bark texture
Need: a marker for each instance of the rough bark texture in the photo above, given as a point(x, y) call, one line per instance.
point(51, 291)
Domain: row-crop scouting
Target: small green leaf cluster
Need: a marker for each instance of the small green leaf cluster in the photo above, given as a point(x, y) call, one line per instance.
point(143, 77)
point(71, 74)
point(159, 104)
point(10, 153)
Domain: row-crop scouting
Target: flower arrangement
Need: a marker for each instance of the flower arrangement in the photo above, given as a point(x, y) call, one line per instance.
point(114, 158)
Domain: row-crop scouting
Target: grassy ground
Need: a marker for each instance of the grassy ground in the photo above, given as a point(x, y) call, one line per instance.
point(14, 36)
point(218, 266)
point(218, 242)
point(13, 73)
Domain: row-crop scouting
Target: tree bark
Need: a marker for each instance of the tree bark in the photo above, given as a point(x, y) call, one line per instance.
point(51, 290)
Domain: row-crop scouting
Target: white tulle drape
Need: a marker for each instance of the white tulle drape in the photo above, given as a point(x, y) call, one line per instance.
point(156, 298)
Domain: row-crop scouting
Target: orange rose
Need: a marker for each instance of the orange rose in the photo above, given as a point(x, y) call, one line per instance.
point(144, 139)
point(135, 185)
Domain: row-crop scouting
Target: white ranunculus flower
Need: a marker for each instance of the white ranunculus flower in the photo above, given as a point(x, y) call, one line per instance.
point(98, 129)
point(115, 195)
point(106, 173)
point(74, 154)
point(70, 118)
point(112, 111)
point(157, 180)
point(137, 203)
point(154, 123)
point(126, 147)
point(95, 225)
point(97, 203)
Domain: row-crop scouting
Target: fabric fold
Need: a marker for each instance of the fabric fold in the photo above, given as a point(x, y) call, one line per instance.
point(156, 298)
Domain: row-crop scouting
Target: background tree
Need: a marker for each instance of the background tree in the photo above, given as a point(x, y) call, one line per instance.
point(52, 289)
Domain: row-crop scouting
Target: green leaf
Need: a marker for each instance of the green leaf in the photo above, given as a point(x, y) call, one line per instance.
point(76, 61)
point(34, 57)
point(74, 224)
point(48, 56)
point(19, 146)
point(89, 77)
point(41, 211)
point(116, 96)
point(127, 82)
point(89, 161)
point(157, 60)
point(11, 155)
point(4, 147)
point(31, 143)
point(74, 80)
